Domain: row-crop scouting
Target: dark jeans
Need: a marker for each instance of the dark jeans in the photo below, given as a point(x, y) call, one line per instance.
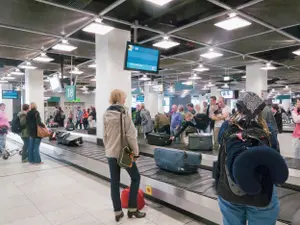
point(85, 123)
point(25, 148)
point(34, 150)
point(115, 172)
point(78, 123)
point(165, 129)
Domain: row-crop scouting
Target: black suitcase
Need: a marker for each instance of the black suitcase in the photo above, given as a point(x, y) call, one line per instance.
point(68, 139)
point(92, 130)
point(70, 127)
point(200, 142)
point(159, 139)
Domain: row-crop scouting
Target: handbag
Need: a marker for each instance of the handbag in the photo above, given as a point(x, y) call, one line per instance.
point(125, 159)
point(42, 132)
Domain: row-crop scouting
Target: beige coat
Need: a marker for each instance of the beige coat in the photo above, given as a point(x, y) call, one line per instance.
point(112, 131)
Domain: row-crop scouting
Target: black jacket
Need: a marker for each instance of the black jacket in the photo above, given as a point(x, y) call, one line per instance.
point(33, 120)
point(278, 119)
point(138, 118)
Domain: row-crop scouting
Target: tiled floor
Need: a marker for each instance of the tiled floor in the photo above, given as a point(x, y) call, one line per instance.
point(53, 194)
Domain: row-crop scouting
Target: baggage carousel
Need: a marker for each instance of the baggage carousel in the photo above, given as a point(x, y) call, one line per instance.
point(193, 193)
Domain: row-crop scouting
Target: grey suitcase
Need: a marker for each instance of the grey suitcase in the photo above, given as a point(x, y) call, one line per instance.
point(200, 142)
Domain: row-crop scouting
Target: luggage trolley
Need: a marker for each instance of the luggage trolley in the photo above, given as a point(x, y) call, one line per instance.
point(9, 153)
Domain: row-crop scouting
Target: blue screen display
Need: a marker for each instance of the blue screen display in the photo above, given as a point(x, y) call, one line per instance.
point(142, 59)
point(140, 98)
point(9, 94)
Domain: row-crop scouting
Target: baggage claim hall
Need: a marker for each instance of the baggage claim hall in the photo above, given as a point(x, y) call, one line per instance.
point(193, 104)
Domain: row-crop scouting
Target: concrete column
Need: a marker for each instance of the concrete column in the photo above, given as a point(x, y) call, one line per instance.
point(34, 89)
point(257, 80)
point(215, 92)
point(110, 75)
point(151, 99)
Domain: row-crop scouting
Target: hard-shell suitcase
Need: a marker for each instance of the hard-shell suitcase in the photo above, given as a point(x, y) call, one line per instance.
point(92, 130)
point(177, 161)
point(159, 139)
point(68, 139)
point(70, 127)
point(125, 198)
point(200, 142)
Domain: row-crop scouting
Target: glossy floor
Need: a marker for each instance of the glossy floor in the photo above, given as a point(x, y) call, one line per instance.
point(54, 194)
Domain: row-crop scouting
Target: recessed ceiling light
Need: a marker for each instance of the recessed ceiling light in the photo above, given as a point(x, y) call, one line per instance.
point(43, 58)
point(3, 81)
point(85, 92)
point(297, 52)
point(226, 78)
point(84, 88)
point(232, 23)
point(9, 78)
point(98, 27)
point(17, 72)
point(194, 77)
point(159, 2)
point(166, 43)
point(93, 65)
point(144, 78)
point(244, 77)
point(64, 46)
point(76, 71)
point(211, 54)
point(188, 83)
point(201, 68)
point(268, 66)
point(93, 79)
point(210, 84)
point(225, 86)
point(27, 66)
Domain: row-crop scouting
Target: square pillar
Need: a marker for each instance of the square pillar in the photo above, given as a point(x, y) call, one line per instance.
point(257, 79)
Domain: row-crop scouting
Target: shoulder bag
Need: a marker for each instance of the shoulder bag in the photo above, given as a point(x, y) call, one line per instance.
point(125, 159)
point(42, 132)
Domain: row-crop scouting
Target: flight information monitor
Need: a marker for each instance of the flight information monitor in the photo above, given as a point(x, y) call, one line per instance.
point(140, 58)
point(10, 94)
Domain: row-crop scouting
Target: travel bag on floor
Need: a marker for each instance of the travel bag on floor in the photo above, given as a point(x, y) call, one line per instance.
point(70, 127)
point(92, 131)
point(125, 198)
point(177, 161)
point(68, 139)
point(200, 142)
point(159, 139)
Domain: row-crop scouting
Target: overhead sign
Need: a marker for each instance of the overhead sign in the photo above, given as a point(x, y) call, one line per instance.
point(180, 86)
point(70, 93)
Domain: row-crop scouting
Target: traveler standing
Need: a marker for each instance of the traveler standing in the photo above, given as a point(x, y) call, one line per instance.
point(278, 117)
point(138, 119)
point(296, 133)
point(112, 142)
point(146, 121)
point(79, 118)
point(85, 117)
point(4, 125)
point(33, 121)
point(92, 117)
point(176, 122)
point(191, 109)
point(24, 131)
point(162, 123)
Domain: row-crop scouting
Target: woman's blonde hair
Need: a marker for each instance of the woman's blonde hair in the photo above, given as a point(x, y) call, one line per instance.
point(33, 105)
point(116, 96)
point(188, 114)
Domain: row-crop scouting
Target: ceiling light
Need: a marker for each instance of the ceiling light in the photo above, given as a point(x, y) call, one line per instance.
point(43, 58)
point(244, 77)
point(188, 83)
point(144, 78)
point(84, 88)
point(233, 22)
point(28, 66)
point(93, 65)
point(226, 78)
point(171, 89)
point(225, 86)
point(85, 92)
point(268, 66)
point(205, 88)
point(273, 90)
point(159, 2)
point(9, 78)
point(242, 91)
point(211, 54)
point(166, 43)
point(3, 81)
point(98, 27)
point(194, 77)
point(18, 88)
point(93, 79)
point(210, 84)
point(64, 46)
point(297, 52)
point(201, 68)
point(17, 72)
point(76, 71)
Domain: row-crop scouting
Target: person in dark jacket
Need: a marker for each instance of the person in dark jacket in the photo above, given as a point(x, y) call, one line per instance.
point(278, 117)
point(249, 111)
point(24, 131)
point(199, 121)
point(34, 120)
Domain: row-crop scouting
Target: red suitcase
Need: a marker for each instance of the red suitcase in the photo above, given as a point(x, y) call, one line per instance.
point(125, 197)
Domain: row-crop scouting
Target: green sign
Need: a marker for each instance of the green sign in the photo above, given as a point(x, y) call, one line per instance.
point(76, 100)
point(54, 99)
point(70, 93)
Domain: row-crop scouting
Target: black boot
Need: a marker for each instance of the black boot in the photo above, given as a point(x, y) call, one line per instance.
point(136, 214)
point(118, 217)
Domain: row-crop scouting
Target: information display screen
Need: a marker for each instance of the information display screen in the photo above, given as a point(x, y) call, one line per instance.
point(140, 58)
point(10, 94)
point(227, 94)
point(55, 84)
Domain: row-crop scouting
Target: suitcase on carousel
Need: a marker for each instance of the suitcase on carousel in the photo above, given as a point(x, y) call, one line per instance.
point(200, 142)
point(92, 131)
point(68, 139)
point(177, 161)
point(159, 139)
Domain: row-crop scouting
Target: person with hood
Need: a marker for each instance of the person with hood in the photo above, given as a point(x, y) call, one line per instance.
point(147, 123)
point(113, 144)
point(248, 167)
point(4, 125)
point(24, 131)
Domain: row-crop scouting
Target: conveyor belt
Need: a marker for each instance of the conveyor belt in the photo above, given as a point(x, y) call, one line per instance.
point(201, 183)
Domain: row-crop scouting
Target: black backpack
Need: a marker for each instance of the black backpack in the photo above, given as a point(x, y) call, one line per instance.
point(16, 125)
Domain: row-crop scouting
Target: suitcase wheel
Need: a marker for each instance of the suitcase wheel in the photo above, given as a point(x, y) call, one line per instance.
point(6, 155)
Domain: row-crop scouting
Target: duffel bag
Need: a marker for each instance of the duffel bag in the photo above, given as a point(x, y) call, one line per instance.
point(125, 199)
point(177, 161)
point(159, 139)
point(200, 142)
